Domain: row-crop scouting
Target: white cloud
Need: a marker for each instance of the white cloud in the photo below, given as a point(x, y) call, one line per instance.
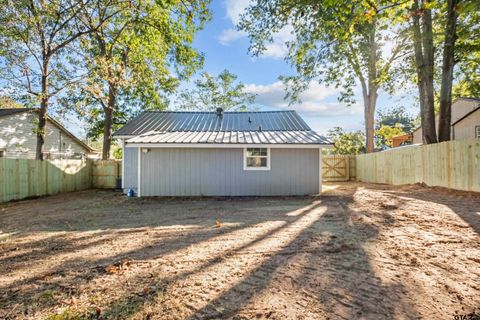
point(230, 35)
point(313, 99)
point(235, 8)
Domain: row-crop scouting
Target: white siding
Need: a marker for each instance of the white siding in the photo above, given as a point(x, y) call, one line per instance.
point(465, 129)
point(17, 135)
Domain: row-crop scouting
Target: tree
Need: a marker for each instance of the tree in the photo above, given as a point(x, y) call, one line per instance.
point(7, 102)
point(385, 133)
point(467, 50)
point(346, 142)
point(131, 58)
point(336, 42)
point(445, 114)
point(222, 91)
point(424, 62)
point(36, 38)
point(393, 116)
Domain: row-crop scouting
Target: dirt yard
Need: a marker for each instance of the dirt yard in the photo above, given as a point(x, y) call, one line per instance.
point(360, 251)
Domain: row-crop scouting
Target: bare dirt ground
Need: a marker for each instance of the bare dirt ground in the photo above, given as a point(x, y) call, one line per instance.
point(361, 251)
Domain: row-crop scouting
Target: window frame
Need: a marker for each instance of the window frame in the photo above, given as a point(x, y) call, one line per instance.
point(245, 156)
point(477, 132)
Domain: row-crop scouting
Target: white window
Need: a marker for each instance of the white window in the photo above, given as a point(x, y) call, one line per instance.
point(256, 159)
point(477, 131)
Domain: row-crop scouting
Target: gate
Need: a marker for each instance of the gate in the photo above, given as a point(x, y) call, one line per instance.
point(338, 167)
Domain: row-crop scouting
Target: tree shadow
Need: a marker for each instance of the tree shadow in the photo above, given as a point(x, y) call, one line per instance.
point(466, 205)
point(80, 270)
point(308, 255)
point(331, 276)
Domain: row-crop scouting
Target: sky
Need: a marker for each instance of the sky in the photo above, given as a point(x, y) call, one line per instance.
point(226, 48)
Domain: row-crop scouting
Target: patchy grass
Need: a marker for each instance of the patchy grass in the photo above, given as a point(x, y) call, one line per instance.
point(362, 250)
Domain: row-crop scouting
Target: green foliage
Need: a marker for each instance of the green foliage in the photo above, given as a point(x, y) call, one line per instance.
point(38, 39)
point(137, 59)
point(7, 102)
point(395, 116)
point(467, 53)
point(346, 142)
point(222, 91)
point(333, 40)
point(117, 152)
point(385, 133)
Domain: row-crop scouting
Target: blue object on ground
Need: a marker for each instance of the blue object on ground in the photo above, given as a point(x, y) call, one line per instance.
point(131, 193)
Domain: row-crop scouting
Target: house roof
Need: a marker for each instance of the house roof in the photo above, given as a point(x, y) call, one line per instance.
point(468, 114)
point(230, 137)
point(260, 127)
point(465, 116)
point(13, 111)
point(467, 98)
point(172, 121)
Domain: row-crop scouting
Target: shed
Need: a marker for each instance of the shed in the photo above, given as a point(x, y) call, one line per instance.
point(267, 153)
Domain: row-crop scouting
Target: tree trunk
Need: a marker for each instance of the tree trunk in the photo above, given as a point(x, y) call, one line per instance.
point(107, 130)
point(370, 104)
point(42, 114)
point(370, 100)
point(424, 59)
point(445, 115)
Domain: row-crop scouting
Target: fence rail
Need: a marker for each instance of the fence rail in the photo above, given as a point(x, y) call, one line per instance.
point(452, 164)
point(23, 178)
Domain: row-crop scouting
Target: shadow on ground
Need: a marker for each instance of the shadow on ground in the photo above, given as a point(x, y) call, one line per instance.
point(96, 254)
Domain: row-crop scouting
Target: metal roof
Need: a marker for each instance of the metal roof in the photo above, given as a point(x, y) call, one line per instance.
point(230, 137)
point(172, 121)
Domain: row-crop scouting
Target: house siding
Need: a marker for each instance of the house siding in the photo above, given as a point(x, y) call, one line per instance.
point(219, 172)
point(465, 129)
point(460, 108)
point(17, 135)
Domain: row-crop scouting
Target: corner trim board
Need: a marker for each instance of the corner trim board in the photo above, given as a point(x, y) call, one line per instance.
point(139, 180)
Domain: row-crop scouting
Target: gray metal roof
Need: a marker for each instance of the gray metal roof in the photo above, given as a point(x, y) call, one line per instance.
point(231, 137)
point(172, 121)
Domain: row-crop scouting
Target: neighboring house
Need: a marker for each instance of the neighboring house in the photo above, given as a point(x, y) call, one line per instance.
point(465, 120)
point(19, 140)
point(402, 140)
point(221, 154)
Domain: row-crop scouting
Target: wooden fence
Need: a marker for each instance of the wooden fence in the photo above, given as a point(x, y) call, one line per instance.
point(338, 167)
point(105, 173)
point(452, 164)
point(23, 178)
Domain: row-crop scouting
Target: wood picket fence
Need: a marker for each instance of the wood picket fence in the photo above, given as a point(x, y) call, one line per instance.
point(452, 164)
point(24, 178)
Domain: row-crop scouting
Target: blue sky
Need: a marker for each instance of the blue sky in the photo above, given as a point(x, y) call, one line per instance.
point(226, 48)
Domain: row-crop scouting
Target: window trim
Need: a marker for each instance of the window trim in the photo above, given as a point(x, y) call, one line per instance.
point(267, 168)
point(477, 132)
